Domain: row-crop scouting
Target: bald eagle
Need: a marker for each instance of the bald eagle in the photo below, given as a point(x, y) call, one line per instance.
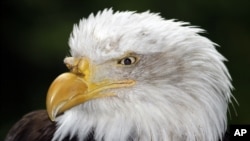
point(134, 77)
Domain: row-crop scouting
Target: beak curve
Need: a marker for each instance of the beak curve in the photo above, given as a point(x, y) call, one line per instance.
point(73, 88)
point(64, 88)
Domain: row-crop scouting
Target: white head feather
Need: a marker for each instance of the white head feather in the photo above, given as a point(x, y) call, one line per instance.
point(182, 85)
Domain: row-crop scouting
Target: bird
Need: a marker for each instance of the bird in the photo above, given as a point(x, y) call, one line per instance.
point(134, 76)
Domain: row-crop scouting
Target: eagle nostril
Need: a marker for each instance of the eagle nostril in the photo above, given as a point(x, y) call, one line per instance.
point(78, 66)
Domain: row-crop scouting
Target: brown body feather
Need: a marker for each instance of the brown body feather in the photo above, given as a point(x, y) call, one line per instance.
point(35, 126)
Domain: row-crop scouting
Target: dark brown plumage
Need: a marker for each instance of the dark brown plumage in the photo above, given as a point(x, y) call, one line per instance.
point(36, 126)
point(33, 126)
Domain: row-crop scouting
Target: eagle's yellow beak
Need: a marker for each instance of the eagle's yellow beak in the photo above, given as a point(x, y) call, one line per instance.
point(75, 87)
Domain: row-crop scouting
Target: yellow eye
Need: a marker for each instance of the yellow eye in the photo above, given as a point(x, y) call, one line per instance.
point(127, 60)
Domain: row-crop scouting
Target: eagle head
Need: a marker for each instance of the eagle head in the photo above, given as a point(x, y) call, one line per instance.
point(137, 76)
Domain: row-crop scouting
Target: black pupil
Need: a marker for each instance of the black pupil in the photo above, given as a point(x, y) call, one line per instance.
point(127, 61)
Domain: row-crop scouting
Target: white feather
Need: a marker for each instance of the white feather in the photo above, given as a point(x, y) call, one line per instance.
point(182, 89)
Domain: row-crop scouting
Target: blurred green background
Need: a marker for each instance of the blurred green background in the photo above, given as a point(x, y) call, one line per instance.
point(34, 37)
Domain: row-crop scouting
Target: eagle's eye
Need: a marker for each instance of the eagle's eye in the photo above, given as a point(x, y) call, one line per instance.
point(127, 60)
